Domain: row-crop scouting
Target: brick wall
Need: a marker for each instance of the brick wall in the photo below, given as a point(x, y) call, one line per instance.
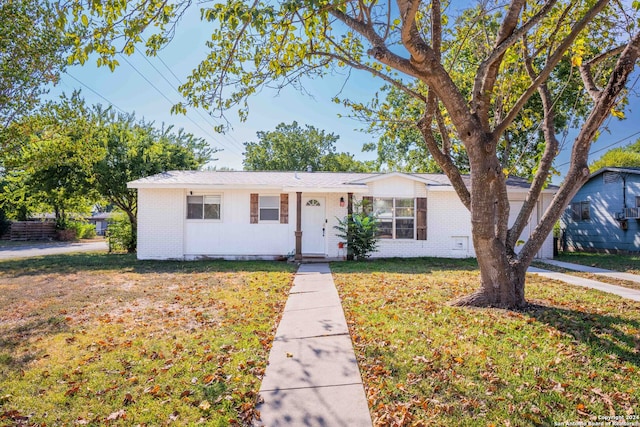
point(161, 214)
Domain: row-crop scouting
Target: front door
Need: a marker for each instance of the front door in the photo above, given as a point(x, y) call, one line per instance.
point(313, 226)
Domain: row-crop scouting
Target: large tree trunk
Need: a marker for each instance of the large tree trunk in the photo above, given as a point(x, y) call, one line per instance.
point(502, 274)
point(502, 278)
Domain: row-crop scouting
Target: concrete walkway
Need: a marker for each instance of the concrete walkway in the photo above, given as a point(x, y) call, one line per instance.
point(588, 283)
point(55, 248)
point(313, 378)
point(595, 270)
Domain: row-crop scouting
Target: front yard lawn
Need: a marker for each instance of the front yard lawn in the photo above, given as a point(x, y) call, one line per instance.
point(105, 339)
point(573, 356)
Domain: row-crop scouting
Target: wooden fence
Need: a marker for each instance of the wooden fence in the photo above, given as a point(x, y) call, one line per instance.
point(32, 230)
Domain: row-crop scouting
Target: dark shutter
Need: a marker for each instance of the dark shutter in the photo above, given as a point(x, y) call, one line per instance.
point(367, 205)
point(254, 209)
point(421, 218)
point(284, 209)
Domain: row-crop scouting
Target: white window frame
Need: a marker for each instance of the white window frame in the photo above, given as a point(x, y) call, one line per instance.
point(261, 207)
point(395, 218)
point(204, 198)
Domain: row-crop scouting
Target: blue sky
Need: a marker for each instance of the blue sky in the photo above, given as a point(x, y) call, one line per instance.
point(147, 86)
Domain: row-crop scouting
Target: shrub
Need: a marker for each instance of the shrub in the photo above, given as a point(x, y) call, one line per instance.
point(359, 231)
point(83, 230)
point(119, 233)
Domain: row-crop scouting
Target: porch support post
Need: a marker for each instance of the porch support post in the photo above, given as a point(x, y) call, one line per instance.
point(349, 213)
point(298, 233)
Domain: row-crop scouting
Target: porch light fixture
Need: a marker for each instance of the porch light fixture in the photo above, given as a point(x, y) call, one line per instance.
point(342, 202)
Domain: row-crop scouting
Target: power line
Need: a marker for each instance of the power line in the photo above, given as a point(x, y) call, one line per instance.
point(95, 92)
point(179, 81)
point(234, 142)
point(166, 98)
point(606, 147)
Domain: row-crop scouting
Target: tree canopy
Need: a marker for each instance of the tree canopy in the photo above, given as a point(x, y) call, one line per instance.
point(481, 74)
point(622, 157)
point(69, 156)
point(136, 149)
point(294, 148)
point(48, 161)
point(32, 54)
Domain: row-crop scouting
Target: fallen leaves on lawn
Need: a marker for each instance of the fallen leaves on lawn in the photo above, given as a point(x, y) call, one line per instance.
point(117, 340)
point(572, 355)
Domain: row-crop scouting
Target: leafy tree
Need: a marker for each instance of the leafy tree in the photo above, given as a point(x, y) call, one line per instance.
point(70, 156)
point(293, 148)
point(475, 70)
point(48, 166)
point(136, 149)
point(33, 54)
point(623, 157)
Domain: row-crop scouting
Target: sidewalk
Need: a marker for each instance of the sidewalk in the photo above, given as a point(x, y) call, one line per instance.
point(595, 270)
point(588, 283)
point(313, 378)
point(50, 248)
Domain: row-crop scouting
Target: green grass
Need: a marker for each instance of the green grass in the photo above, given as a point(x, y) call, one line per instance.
point(624, 263)
point(98, 339)
point(573, 355)
point(95, 339)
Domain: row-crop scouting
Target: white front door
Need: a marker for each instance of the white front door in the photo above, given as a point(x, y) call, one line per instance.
point(313, 225)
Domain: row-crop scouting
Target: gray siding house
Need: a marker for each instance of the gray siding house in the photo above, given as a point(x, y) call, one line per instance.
point(604, 215)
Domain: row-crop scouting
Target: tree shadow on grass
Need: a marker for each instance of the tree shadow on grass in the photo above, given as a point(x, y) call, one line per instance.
point(604, 334)
point(72, 263)
point(13, 337)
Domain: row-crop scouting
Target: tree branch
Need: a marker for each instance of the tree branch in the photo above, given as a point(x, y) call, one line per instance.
point(379, 50)
point(360, 66)
point(578, 170)
point(411, 38)
point(507, 36)
point(585, 71)
point(442, 158)
point(552, 61)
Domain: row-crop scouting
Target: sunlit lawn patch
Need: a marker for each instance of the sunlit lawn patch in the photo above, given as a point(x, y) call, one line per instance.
point(105, 339)
point(573, 355)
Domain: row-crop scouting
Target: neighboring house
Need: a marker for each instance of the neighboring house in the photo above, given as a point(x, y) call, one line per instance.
point(604, 215)
point(270, 215)
point(101, 221)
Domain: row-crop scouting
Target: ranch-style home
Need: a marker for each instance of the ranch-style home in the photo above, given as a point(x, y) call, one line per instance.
point(190, 215)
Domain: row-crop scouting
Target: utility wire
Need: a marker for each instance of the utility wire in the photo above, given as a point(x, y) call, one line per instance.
point(168, 100)
point(179, 81)
point(234, 142)
point(606, 147)
point(95, 92)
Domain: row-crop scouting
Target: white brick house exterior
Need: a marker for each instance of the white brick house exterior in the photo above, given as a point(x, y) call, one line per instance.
point(254, 215)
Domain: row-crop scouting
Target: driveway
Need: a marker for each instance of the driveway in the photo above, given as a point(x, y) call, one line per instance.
point(55, 248)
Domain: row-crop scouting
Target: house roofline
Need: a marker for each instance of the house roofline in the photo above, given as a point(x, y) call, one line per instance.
point(634, 171)
point(382, 175)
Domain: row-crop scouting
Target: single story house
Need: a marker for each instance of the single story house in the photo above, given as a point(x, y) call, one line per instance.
point(101, 221)
point(269, 215)
point(604, 215)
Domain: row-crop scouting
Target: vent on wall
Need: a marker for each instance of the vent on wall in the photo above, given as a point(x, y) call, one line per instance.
point(610, 177)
